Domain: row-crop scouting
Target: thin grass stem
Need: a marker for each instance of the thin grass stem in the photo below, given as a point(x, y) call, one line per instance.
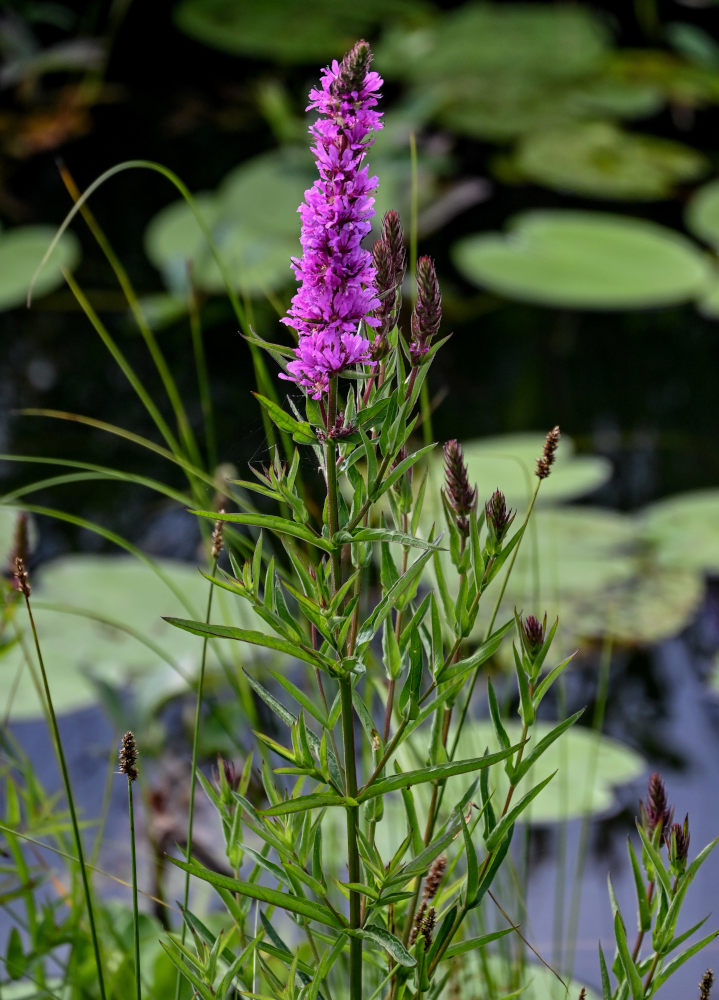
point(55, 732)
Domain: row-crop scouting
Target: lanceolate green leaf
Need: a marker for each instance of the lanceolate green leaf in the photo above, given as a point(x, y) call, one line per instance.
point(392, 945)
point(256, 639)
point(280, 525)
point(302, 803)
point(295, 904)
point(437, 772)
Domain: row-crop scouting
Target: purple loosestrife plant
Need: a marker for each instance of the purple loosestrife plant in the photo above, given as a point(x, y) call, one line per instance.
point(393, 661)
point(336, 275)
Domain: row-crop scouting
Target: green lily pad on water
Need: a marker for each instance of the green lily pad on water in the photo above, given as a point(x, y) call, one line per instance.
point(21, 251)
point(81, 604)
point(509, 463)
point(585, 260)
point(501, 107)
point(591, 568)
point(292, 31)
point(589, 767)
point(538, 40)
point(682, 532)
point(602, 161)
point(702, 214)
point(252, 219)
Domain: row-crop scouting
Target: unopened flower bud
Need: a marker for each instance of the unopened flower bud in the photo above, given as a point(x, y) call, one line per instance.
point(705, 986)
point(656, 813)
point(461, 496)
point(352, 70)
point(678, 846)
point(217, 534)
point(20, 579)
point(128, 756)
point(534, 634)
point(546, 461)
point(434, 877)
point(427, 313)
point(393, 237)
point(499, 519)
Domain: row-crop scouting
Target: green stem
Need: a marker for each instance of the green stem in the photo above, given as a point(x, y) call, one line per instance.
point(70, 799)
point(135, 911)
point(495, 612)
point(353, 858)
point(333, 510)
point(193, 774)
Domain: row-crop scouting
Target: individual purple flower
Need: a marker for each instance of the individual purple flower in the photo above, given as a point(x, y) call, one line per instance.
point(336, 293)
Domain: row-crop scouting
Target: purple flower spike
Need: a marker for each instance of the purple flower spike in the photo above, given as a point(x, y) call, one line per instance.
point(335, 274)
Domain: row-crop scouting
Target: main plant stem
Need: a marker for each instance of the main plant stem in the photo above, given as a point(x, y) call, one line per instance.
point(353, 859)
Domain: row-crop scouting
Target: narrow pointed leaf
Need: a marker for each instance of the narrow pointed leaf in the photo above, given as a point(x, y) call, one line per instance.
point(294, 904)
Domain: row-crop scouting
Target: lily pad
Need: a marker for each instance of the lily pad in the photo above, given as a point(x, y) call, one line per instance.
point(602, 161)
point(539, 40)
point(501, 107)
point(702, 214)
point(21, 250)
point(509, 463)
point(292, 31)
point(253, 221)
point(81, 603)
point(589, 567)
point(589, 767)
point(586, 260)
point(681, 82)
point(682, 532)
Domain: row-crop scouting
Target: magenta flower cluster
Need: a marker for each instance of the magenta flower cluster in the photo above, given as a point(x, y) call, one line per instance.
point(336, 275)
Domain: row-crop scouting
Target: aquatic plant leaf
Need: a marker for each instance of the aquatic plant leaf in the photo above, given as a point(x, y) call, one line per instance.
point(311, 30)
point(602, 161)
point(78, 647)
point(584, 260)
point(683, 531)
point(702, 214)
point(253, 221)
point(681, 82)
point(542, 41)
point(589, 766)
point(593, 569)
point(503, 107)
point(21, 250)
point(509, 461)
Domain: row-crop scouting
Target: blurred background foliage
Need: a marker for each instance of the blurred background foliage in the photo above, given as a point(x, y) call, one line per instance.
point(565, 169)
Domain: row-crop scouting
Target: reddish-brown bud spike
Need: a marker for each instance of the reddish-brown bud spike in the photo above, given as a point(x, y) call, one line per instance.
point(417, 923)
point(461, 496)
point(20, 579)
point(499, 518)
point(428, 927)
point(434, 877)
point(353, 70)
point(546, 461)
point(393, 237)
point(217, 535)
point(427, 313)
point(705, 986)
point(128, 756)
point(656, 811)
point(534, 633)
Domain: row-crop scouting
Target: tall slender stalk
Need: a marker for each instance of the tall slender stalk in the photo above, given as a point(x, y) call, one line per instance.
point(128, 766)
point(353, 859)
point(24, 586)
point(216, 547)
